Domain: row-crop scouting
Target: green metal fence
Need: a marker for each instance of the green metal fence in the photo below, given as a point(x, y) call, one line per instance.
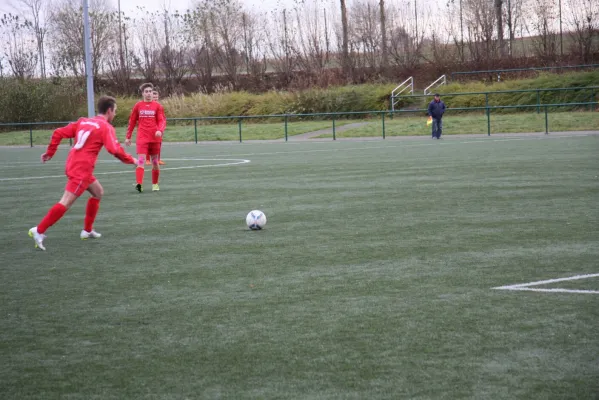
point(282, 123)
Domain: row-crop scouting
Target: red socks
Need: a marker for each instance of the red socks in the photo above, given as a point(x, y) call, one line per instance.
point(93, 205)
point(53, 215)
point(139, 175)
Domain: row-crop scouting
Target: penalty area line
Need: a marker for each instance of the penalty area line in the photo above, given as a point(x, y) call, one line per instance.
point(527, 286)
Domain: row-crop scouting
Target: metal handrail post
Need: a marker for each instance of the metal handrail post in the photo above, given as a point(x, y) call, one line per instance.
point(334, 135)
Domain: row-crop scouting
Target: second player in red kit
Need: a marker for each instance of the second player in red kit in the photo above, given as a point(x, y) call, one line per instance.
point(149, 117)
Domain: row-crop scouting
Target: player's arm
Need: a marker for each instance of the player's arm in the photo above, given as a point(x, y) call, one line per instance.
point(113, 147)
point(161, 119)
point(132, 122)
point(66, 132)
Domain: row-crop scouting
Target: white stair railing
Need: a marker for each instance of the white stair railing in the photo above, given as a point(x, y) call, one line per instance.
point(442, 80)
point(408, 84)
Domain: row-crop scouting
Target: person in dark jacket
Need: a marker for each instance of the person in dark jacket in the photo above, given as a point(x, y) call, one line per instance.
point(436, 108)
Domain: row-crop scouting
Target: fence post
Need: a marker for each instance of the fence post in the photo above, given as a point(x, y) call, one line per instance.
point(383, 121)
point(546, 122)
point(195, 128)
point(488, 121)
point(334, 136)
point(239, 125)
point(286, 122)
point(538, 102)
point(30, 136)
point(486, 99)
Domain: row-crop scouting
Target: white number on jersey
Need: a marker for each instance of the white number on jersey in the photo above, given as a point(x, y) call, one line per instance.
point(81, 139)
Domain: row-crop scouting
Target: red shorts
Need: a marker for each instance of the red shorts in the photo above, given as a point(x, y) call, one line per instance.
point(78, 186)
point(152, 148)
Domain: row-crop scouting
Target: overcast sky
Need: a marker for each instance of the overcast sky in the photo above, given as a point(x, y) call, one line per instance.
point(181, 5)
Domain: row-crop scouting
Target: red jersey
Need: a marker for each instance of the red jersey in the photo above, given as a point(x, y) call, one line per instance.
point(90, 134)
point(149, 116)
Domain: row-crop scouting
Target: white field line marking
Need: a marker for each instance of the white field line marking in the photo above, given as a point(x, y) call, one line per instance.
point(552, 290)
point(526, 286)
point(235, 162)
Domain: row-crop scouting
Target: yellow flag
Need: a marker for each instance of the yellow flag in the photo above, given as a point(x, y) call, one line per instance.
point(429, 121)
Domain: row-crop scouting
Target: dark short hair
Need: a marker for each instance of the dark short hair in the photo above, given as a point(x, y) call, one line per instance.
point(437, 95)
point(156, 91)
point(146, 85)
point(106, 103)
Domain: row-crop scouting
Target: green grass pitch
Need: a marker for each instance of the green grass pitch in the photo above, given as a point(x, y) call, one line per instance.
point(373, 278)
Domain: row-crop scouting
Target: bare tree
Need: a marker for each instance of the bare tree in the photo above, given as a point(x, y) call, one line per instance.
point(66, 29)
point(20, 54)
point(227, 39)
point(146, 52)
point(454, 24)
point(198, 27)
point(514, 20)
point(584, 17)
point(481, 20)
point(406, 37)
point(499, 18)
point(280, 47)
point(366, 33)
point(119, 62)
point(313, 47)
point(384, 52)
point(345, 57)
point(33, 11)
point(253, 39)
point(541, 27)
point(174, 50)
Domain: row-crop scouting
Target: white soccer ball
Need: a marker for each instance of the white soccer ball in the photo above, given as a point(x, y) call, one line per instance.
point(255, 220)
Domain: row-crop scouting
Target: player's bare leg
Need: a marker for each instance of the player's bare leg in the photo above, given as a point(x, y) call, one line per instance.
point(54, 214)
point(91, 210)
point(155, 172)
point(139, 172)
point(148, 160)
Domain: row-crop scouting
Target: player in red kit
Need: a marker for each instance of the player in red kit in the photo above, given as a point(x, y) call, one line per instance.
point(148, 115)
point(90, 134)
point(156, 97)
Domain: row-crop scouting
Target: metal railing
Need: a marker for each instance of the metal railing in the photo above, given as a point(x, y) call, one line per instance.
point(442, 81)
point(402, 87)
point(334, 118)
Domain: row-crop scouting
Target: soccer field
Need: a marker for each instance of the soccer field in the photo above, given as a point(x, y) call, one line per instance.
point(375, 278)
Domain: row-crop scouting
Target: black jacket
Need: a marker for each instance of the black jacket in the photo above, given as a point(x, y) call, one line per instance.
point(436, 109)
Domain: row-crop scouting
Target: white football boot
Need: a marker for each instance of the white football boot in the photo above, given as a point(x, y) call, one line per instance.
point(37, 237)
point(90, 235)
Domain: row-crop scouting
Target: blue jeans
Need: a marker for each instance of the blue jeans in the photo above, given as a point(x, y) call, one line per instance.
point(437, 127)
